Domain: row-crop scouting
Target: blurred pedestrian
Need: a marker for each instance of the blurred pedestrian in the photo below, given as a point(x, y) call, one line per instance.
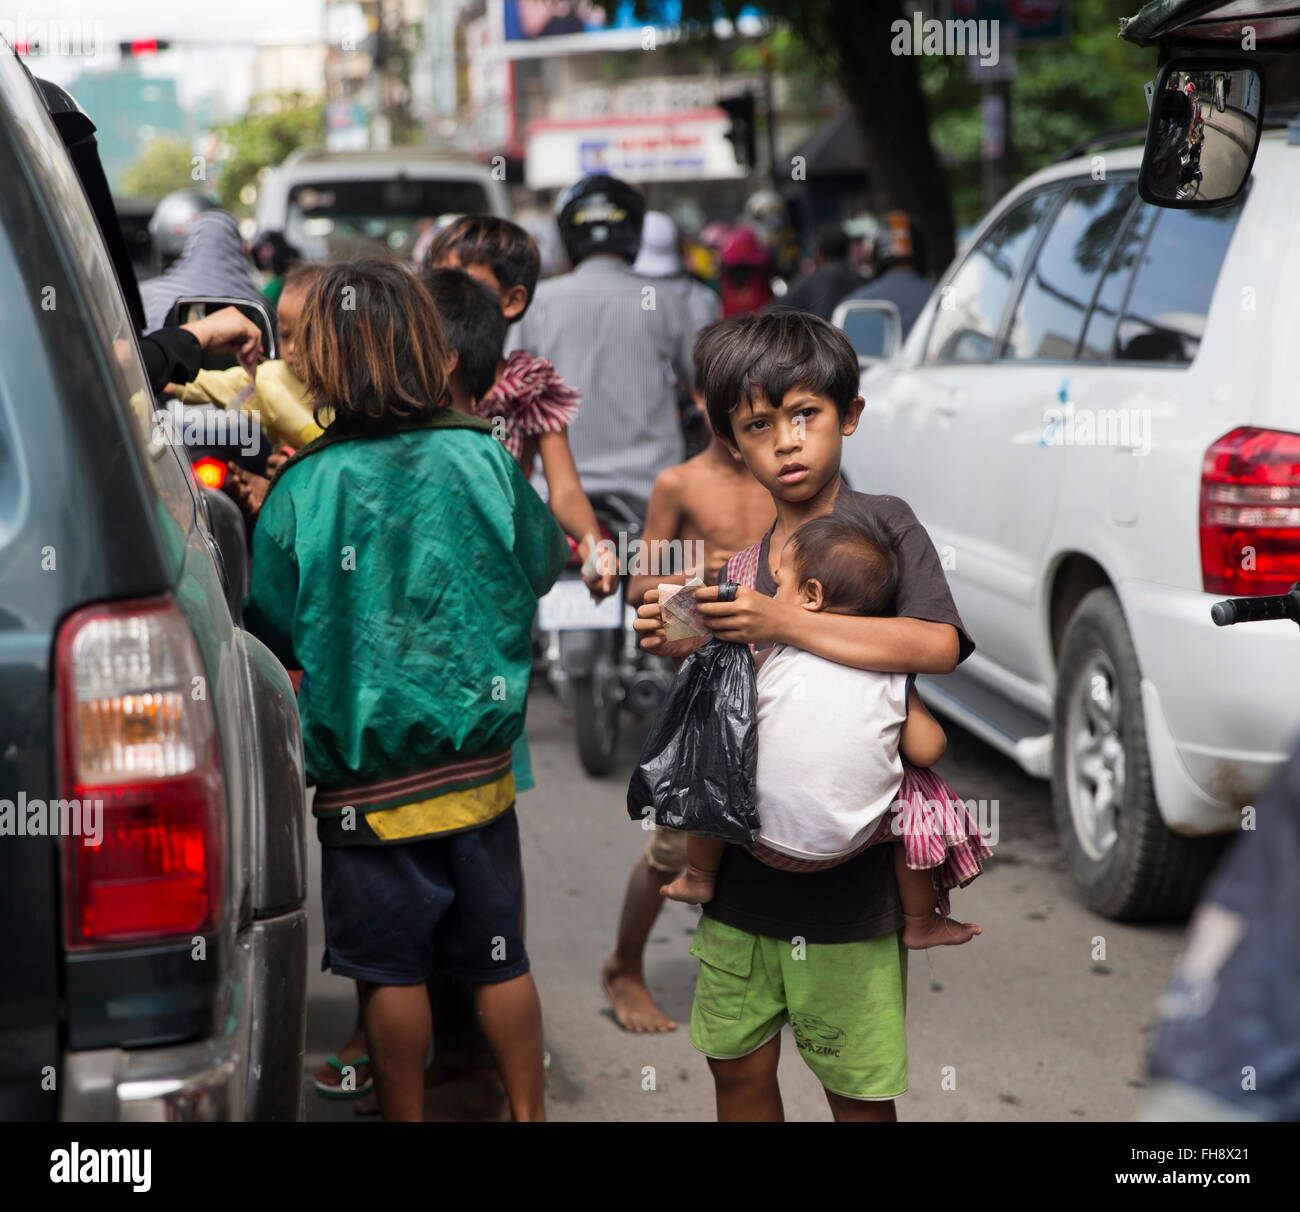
point(820, 291)
point(211, 263)
point(746, 269)
point(898, 262)
point(398, 561)
point(274, 256)
point(660, 259)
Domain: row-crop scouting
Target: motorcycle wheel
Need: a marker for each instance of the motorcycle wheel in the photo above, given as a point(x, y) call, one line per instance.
point(596, 702)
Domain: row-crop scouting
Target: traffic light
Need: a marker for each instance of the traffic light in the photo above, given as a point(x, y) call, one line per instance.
point(740, 109)
point(142, 48)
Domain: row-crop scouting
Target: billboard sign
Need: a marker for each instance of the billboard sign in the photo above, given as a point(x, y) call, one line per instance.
point(668, 147)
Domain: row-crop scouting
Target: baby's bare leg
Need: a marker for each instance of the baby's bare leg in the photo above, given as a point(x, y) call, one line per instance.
point(695, 886)
point(923, 927)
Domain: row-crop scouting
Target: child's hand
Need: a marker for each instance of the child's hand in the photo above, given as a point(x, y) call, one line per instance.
point(753, 618)
point(601, 574)
point(649, 625)
point(277, 459)
point(248, 489)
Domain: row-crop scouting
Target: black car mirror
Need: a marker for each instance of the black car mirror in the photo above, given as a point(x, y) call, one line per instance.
point(194, 307)
point(1203, 133)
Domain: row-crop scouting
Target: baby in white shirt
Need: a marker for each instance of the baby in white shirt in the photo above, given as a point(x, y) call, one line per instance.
point(831, 738)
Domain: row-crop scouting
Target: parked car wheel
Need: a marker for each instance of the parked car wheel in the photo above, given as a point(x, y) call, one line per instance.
point(1126, 862)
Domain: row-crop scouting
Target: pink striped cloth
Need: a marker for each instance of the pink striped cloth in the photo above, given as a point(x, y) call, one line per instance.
point(936, 828)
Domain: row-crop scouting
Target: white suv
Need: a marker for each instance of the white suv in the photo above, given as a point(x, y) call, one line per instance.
point(1096, 419)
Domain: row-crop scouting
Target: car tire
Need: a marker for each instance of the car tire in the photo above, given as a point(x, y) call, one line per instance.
point(1127, 864)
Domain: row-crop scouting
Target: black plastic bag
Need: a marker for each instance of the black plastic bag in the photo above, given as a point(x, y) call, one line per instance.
point(697, 766)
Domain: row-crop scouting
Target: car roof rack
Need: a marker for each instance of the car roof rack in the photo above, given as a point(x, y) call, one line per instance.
point(1276, 117)
point(1134, 134)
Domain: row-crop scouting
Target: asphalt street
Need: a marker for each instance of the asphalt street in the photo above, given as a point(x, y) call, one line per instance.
point(1023, 1023)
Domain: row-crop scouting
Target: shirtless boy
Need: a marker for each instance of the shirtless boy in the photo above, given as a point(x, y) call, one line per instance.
point(710, 503)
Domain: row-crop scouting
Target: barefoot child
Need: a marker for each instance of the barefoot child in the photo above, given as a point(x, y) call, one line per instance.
point(820, 949)
point(709, 503)
point(830, 739)
point(398, 560)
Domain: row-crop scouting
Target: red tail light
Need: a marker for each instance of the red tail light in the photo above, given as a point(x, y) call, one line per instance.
point(139, 756)
point(1250, 513)
point(211, 473)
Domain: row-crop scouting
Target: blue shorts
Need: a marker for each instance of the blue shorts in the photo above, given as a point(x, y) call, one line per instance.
point(396, 914)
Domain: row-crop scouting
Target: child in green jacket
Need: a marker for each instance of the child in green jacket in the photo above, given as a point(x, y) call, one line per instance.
point(397, 561)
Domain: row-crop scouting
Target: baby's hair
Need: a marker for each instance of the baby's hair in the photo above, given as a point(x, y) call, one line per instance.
point(301, 276)
point(852, 555)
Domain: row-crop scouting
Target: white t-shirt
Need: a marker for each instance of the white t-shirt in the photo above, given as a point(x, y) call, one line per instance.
point(828, 760)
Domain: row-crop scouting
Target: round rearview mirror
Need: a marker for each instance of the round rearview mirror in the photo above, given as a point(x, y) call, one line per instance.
point(1206, 120)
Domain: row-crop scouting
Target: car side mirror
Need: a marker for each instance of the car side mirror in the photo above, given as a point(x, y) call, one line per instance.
point(1203, 133)
point(873, 326)
point(194, 307)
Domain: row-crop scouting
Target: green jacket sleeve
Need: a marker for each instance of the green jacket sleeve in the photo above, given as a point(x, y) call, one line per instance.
point(540, 545)
point(273, 592)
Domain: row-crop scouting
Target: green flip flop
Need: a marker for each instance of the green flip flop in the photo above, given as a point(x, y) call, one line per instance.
point(325, 1090)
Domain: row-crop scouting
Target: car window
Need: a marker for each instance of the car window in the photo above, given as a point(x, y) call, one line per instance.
point(1164, 317)
point(1099, 337)
point(105, 307)
point(970, 307)
point(1058, 290)
point(381, 217)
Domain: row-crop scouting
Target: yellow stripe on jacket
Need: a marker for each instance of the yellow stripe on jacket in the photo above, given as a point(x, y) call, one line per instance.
point(279, 400)
point(446, 812)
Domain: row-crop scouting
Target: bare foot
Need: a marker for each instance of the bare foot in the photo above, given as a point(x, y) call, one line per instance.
point(634, 1008)
point(931, 930)
point(692, 887)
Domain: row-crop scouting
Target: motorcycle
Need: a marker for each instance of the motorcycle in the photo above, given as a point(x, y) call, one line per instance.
point(592, 659)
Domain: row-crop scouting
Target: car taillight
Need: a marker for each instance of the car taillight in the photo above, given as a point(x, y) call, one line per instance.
point(211, 473)
point(1250, 513)
point(139, 755)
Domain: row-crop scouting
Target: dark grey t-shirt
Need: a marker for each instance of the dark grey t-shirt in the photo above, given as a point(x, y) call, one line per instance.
point(858, 899)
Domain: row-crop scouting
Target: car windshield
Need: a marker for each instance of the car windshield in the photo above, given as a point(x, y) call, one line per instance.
point(356, 217)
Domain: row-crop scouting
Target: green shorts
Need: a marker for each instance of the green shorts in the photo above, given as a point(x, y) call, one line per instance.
point(845, 1003)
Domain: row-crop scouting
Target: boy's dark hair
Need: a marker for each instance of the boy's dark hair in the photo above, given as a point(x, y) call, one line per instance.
point(705, 340)
point(769, 354)
point(373, 350)
point(504, 247)
point(472, 324)
point(853, 557)
point(300, 276)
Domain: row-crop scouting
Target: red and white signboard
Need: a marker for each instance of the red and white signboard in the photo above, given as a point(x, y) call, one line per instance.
point(684, 146)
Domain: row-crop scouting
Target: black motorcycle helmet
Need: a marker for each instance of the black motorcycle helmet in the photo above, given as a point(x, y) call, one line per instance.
point(600, 214)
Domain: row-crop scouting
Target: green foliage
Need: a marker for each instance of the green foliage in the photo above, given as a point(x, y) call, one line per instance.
point(163, 165)
point(273, 127)
point(1062, 95)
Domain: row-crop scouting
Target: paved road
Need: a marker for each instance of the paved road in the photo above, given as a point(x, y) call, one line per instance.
point(1030, 1025)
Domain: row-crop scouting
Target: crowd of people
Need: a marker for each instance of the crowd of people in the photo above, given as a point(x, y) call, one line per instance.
point(399, 548)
